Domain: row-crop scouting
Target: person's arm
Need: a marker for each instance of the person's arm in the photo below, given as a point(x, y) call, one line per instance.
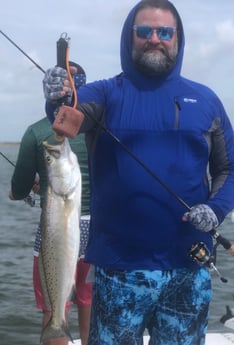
point(25, 170)
point(207, 216)
point(221, 165)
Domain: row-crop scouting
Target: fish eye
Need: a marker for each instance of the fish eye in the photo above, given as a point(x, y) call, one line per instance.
point(48, 158)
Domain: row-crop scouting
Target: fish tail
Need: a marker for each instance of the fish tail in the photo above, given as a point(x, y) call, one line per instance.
point(51, 331)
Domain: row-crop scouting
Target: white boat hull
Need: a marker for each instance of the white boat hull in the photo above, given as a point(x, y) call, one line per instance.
point(211, 339)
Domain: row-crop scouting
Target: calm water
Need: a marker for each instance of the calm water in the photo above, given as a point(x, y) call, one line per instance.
point(19, 319)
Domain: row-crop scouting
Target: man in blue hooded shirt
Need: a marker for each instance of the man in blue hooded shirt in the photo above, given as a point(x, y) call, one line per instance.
point(140, 235)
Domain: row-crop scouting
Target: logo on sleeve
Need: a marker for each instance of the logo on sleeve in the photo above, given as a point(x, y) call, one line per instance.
point(190, 100)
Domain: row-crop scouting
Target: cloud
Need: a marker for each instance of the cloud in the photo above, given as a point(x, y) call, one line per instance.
point(225, 32)
point(95, 28)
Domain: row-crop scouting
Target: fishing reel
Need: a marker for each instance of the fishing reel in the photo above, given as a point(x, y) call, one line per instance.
point(201, 255)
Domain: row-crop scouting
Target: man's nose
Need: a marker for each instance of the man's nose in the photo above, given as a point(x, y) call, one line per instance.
point(154, 37)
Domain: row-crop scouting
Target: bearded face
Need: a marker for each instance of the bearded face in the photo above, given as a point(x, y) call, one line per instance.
point(154, 59)
point(154, 54)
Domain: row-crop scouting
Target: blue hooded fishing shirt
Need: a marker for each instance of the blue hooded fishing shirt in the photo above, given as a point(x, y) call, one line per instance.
point(179, 130)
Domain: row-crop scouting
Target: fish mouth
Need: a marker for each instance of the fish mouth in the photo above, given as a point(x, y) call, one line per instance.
point(50, 146)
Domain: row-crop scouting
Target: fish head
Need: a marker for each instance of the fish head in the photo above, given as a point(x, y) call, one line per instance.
point(62, 167)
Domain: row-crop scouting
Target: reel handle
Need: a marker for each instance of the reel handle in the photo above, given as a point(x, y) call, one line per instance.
point(62, 51)
point(62, 46)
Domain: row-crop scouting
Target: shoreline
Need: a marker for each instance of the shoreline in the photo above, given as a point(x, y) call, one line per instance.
point(9, 143)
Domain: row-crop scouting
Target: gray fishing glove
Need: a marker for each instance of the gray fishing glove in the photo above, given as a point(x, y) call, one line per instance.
point(202, 217)
point(53, 85)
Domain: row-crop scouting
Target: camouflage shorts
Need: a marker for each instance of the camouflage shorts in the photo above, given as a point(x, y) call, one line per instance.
point(171, 305)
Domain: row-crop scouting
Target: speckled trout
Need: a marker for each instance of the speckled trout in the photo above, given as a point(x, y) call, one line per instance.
point(60, 234)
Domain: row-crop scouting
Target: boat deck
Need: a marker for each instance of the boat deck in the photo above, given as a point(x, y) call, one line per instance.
point(211, 339)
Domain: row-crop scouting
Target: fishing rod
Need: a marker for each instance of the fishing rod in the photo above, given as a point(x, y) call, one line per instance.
point(21, 50)
point(2, 154)
point(198, 252)
point(30, 200)
point(218, 238)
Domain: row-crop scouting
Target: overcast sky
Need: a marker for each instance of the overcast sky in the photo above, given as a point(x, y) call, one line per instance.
point(94, 28)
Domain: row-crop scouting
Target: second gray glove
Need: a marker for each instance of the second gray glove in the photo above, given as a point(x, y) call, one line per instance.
point(202, 217)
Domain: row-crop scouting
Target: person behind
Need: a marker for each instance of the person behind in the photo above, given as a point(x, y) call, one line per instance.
point(140, 235)
point(30, 162)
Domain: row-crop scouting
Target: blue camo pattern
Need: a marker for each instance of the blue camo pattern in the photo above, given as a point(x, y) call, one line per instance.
point(166, 303)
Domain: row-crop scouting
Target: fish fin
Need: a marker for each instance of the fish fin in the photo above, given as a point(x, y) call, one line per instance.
point(227, 316)
point(51, 331)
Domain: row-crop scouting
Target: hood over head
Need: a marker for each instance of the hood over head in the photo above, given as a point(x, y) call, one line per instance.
point(138, 78)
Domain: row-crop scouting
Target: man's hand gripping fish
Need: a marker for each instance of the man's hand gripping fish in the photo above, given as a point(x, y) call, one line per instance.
point(60, 234)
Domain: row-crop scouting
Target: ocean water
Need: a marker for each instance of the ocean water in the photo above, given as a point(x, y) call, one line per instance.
point(20, 321)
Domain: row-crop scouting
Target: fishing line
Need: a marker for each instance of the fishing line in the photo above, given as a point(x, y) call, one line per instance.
point(219, 239)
